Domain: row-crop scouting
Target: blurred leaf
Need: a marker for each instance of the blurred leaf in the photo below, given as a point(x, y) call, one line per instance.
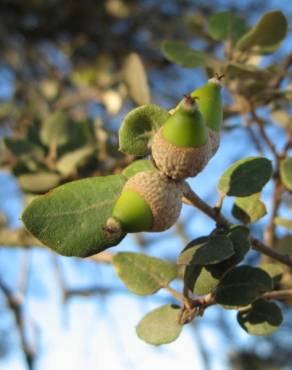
point(180, 53)
point(160, 326)
point(138, 166)
point(70, 218)
point(268, 32)
point(249, 209)
point(283, 118)
point(207, 251)
point(20, 147)
point(241, 286)
point(263, 318)
point(112, 101)
point(136, 79)
point(245, 177)
point(39, 182)
point(286, 172)
point(284, 245)
point(226, 26)
point(68, 163)
point(138, 128)
point(284, 222)
point(57, 129)
point(274, 270)
point(238, 70)
point(143, 274)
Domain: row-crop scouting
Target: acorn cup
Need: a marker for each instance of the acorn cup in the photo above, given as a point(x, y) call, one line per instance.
point(180, 149)
point(209, 101)
point(149, 202)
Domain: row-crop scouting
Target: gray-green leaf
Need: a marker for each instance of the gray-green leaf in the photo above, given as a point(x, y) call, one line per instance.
point(245, 177)
point(180, 53)
point(138, 128)
point(160, 326)
point(70, 218)
point(143, 274)
point(264, 318)
point(241, 286)
point(226, 26)
point(268, 32)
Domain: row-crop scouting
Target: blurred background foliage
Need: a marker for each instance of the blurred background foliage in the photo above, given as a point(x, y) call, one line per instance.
point(69, 72)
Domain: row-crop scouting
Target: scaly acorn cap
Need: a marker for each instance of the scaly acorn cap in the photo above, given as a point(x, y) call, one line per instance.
point(154, 193)
point(214, 142)
point(180, 148)
point(178, 163)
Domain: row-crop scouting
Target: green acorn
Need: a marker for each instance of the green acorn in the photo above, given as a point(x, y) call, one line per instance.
point(180, 148)
point(210, 105)
point(149, 202)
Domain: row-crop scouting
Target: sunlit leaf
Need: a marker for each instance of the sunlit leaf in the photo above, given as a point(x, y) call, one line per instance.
point(160, 326)
point(138, 166)
point(143, 274)
point(249, 209)
point(286, 172)
point(138, 128)
point(284, 222)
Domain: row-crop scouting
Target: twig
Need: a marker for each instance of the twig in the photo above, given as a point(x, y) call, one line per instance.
point(15, 302)
point(193, 199)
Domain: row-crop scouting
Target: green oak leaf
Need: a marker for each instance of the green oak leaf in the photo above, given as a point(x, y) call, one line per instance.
point(57, 129)
point(284, 244)
point(226, 26)
point(138, 166)
point(284, 222)
point(249, 209)
point(245, 177)
point(143, 274)
point(138, 128)
point(241, 286)
point(263, 318)
point(70, 218)
point(268, 32)
point(286, 172)
point(38, 182)
point(180, 53)
point(203, 279)
point(160, 326)
point(207, 251)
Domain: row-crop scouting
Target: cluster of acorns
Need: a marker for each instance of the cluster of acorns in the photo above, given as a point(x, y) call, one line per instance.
point(181, 148)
